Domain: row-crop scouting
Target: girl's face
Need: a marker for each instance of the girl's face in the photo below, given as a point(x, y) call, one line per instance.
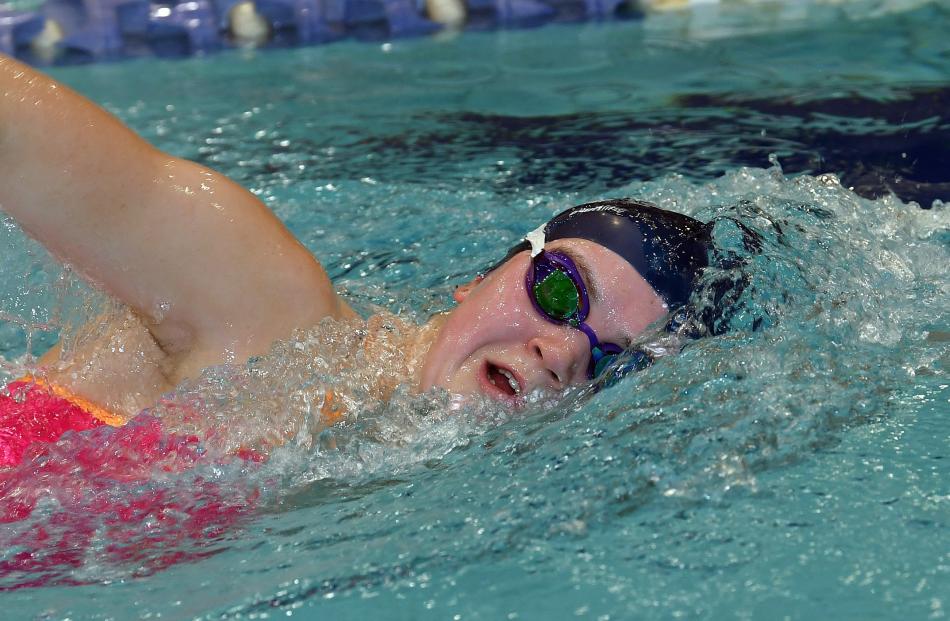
point(495, 343)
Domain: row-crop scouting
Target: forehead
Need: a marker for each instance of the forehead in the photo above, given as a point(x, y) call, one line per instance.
point(619, 294)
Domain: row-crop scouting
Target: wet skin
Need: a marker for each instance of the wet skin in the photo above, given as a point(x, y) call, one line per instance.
point(495, 343)
point(210, 276)
point(492, 339)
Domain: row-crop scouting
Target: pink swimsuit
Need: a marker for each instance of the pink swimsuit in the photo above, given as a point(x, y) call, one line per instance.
point(105, 489)
point(37, 412)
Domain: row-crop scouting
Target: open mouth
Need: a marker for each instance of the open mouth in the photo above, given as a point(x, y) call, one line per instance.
point(503, 379)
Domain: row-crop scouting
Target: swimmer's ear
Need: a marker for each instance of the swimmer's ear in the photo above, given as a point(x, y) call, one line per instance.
point(462, 291)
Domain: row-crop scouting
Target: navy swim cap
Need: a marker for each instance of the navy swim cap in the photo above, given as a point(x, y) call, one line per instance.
point(668, 249)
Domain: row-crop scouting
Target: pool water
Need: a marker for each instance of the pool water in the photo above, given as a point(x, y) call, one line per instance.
point(795, 466)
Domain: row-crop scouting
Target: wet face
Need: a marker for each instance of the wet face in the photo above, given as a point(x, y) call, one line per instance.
point(496, 344)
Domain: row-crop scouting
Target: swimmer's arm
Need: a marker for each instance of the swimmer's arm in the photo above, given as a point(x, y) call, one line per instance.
point(211, 270)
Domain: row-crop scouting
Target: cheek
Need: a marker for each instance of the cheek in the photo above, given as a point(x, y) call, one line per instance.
point(490, 316)
point(465, 378)
point(502, 313)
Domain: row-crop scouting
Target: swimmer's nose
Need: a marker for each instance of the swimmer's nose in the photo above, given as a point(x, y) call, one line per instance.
point(560, 357)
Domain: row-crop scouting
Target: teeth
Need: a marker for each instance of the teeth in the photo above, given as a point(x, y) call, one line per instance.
point(511, 381)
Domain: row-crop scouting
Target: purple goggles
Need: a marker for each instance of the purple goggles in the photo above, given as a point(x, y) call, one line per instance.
point(557, 291)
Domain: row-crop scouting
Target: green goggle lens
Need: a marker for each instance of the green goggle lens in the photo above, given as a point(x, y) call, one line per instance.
point(557, 295)
point(601, 365)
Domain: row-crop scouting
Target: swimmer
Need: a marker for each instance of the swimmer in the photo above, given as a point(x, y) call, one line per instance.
point(211, 276)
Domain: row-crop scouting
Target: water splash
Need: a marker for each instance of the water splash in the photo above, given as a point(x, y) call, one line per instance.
point(834, 302)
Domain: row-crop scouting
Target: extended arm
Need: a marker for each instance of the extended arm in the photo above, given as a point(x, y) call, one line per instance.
point(213, 273)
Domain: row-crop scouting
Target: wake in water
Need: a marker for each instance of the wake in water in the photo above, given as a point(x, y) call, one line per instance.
point(819, 306)
point(842, 303)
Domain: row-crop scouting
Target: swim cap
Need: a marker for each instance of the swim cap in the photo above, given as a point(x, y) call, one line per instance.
point(668, 249)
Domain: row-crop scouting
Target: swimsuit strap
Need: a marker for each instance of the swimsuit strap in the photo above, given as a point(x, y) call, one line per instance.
point(96, 411)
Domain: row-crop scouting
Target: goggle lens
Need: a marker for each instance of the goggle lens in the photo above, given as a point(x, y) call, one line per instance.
point(557, 295)
point(603, 363)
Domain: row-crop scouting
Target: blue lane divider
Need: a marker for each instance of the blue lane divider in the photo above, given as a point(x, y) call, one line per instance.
point(18, 29)
point(75, 31)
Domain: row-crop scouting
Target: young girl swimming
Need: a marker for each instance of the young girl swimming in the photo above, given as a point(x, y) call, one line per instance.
point(211, 276)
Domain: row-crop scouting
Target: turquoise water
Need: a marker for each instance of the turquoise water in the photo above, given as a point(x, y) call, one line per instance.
point(795, 466)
